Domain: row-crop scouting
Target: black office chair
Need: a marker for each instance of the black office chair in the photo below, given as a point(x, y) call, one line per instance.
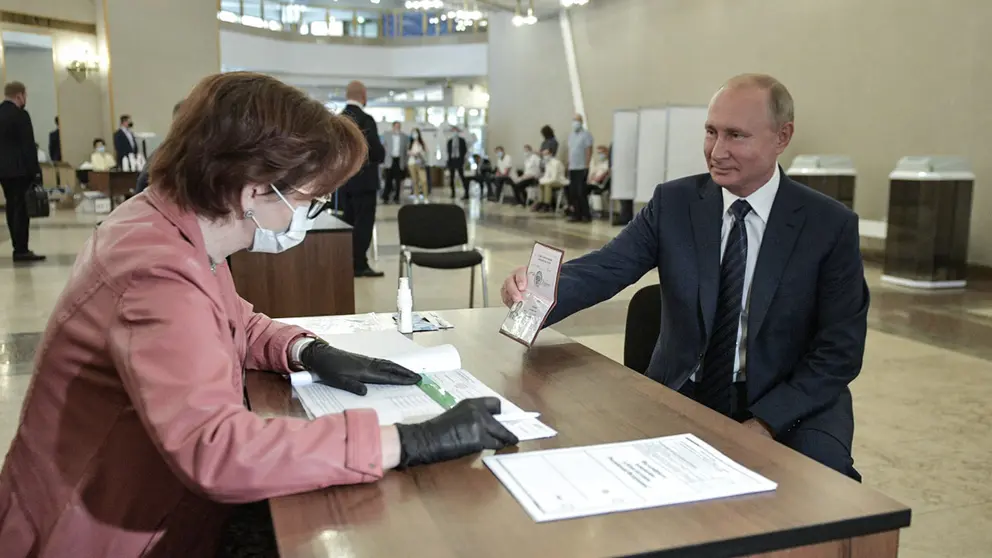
point(440, 234)
point(643, 328)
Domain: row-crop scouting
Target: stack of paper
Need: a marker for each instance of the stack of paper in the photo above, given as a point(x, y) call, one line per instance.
point(444, 385)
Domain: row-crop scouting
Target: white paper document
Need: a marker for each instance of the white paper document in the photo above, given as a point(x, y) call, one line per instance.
point(336, 325)
point(526, 317)
point(578, 482)
point(444, 385)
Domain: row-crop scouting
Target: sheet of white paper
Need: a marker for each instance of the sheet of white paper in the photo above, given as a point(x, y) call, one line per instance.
point(528, 428)
point(578, 482)
point(335, 325)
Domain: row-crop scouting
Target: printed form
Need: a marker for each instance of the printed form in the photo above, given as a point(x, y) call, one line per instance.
point(578, 482)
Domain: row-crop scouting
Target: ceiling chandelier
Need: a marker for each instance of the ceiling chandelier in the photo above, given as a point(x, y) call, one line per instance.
point(570, 3)
point(424, 5)
point(529, 19)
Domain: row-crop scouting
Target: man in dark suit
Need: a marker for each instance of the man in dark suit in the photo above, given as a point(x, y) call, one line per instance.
point(764, 301)
point(55, 143)
point(124, 141)
point(18, 166)
point(457, 147)
point(358, 195)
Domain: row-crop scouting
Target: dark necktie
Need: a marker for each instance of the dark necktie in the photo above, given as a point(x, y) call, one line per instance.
point(714, 388)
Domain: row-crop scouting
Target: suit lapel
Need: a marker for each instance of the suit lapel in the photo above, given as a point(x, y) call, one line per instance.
point(706, 215)
point(784, 225)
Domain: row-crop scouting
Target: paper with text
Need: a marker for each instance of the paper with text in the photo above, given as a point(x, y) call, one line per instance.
point(578, 482)
point(526, 317)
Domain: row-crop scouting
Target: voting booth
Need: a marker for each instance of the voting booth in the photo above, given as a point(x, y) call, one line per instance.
point(831, 175)
point(929, 221)
point(654, 145)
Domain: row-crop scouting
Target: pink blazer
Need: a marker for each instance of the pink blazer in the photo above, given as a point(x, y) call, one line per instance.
point(133, 435)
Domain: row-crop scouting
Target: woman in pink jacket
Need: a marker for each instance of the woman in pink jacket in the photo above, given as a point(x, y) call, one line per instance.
point(134, 439)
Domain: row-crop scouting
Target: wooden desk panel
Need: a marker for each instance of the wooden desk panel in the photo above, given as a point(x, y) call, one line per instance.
point(313, 279)
point(460, 509)
point(113, 183)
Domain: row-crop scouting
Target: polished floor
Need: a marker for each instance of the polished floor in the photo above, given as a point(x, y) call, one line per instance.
point(922, 400)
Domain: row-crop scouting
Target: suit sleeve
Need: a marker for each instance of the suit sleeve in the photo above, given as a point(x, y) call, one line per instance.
point(600, 275)
point(177, 367)
point(121, 145)
point(835, 355)
point(377, 153)
point(28, 143)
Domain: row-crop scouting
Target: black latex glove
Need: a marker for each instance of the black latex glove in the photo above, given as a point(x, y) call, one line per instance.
point(350, 372)
point(466, 428)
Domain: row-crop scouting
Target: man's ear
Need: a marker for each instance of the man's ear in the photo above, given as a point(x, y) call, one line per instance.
point(785, 136)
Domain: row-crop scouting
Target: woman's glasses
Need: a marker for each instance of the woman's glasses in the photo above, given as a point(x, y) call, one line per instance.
point(317, 206)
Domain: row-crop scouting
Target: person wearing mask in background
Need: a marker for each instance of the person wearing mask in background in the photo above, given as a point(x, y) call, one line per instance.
point(358, 195)
point(55, 143)
point(417, 163)
point(134, 439)
point(599, 168)
point(143, 177)
point(124, 141)
point(530, 176)
point(18, 168)
point(457, 149)
point(397, 146)
point(550, 142)
point(504, 172)
point(100, 160)
point(580, 144)
point(553, 179)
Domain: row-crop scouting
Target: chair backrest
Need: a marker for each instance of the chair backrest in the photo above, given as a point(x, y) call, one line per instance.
point(432, 226)
point(643, 328)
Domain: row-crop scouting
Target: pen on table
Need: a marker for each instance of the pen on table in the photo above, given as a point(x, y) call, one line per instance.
point(508, 417)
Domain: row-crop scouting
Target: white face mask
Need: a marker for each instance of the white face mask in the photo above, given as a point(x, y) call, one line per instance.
point(576, 125)
point(272, 242)
point(101, 149)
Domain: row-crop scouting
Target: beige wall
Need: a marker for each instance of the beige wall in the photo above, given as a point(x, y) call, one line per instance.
point(72, 10)
point(876, 80)
point(33, 68)
point(528, 84)
point(158, 52)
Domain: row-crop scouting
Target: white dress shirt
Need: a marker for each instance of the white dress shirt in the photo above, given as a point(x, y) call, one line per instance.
point(554, 172)
point(396, 144)
point(532, 166)
point(504, 165)
point(754, 222)
point(130, 136)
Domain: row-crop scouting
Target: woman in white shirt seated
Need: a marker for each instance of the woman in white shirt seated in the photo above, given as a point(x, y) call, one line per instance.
point(553, 179)
point(532, 172)
point(504, 171)
point(100, 160)
point(599, 169)
point(417, 164)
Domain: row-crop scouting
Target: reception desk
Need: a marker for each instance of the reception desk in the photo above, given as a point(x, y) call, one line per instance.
point(313, 279)
point(113, 184)
point(831, 175)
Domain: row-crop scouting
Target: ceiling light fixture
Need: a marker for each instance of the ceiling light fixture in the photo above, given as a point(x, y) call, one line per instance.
point(570, 3)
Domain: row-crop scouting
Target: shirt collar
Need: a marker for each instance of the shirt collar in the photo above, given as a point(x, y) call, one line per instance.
point(761, 200)
point(354, 103)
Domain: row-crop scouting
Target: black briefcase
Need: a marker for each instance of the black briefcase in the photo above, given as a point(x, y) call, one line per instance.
point(37, 201)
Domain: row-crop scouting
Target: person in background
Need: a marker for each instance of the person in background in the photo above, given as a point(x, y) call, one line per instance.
point(42, 154)
point(358, 195)
point(143, 177)
point(504, 172)
point(550, 142)
point(134, 439)
point(530, 176)
point(417, 163)
point(580, 145)
point(397, 145)
point(55, 143)
point(18, 168)
point(553, 179)
point(100, 160)
point(483, 174)
point(457, 148)
point(599, 168)
point(124, 141)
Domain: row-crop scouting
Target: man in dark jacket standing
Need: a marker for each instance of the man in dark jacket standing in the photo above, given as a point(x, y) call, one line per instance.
point(18, 166)
point(358, 195)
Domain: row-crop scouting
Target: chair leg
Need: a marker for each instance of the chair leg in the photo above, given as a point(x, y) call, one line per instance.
point(485, 285)
point(471, 289)
point(375, 243)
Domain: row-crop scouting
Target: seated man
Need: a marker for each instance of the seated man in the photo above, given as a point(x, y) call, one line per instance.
point(483, 174)
point(553, 179)
point(532, 173)
point(504, 170)
point(764, 300)
point(599, 170)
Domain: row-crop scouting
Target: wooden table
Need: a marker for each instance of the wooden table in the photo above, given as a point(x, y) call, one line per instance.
point(113, 183)
point(460, 509)
point(315, 278)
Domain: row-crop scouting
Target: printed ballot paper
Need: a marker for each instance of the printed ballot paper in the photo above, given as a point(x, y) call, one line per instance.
point(526, 317)
point(444, 384)
point(578, 482)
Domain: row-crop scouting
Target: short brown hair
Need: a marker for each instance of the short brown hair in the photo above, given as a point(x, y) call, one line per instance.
point(14, 88)
point(242, 128)
point(780, 103)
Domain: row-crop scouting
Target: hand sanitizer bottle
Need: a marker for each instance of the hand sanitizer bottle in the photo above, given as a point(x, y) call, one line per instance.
point(404, 306)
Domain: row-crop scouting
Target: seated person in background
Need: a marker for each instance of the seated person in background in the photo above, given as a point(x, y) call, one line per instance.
point(599, 169)
point(134, 439)
point(532, 173)
point(504, 171)
point(764, 300)
point(483, 175)
point(553, 179)
point(100, 160)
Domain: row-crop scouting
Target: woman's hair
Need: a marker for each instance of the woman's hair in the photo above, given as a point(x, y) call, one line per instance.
point(547, 132)
point(418, 137)
point(98, 140)
point(242, 128)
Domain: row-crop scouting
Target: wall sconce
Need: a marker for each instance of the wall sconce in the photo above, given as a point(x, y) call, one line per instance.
point(81, 69)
